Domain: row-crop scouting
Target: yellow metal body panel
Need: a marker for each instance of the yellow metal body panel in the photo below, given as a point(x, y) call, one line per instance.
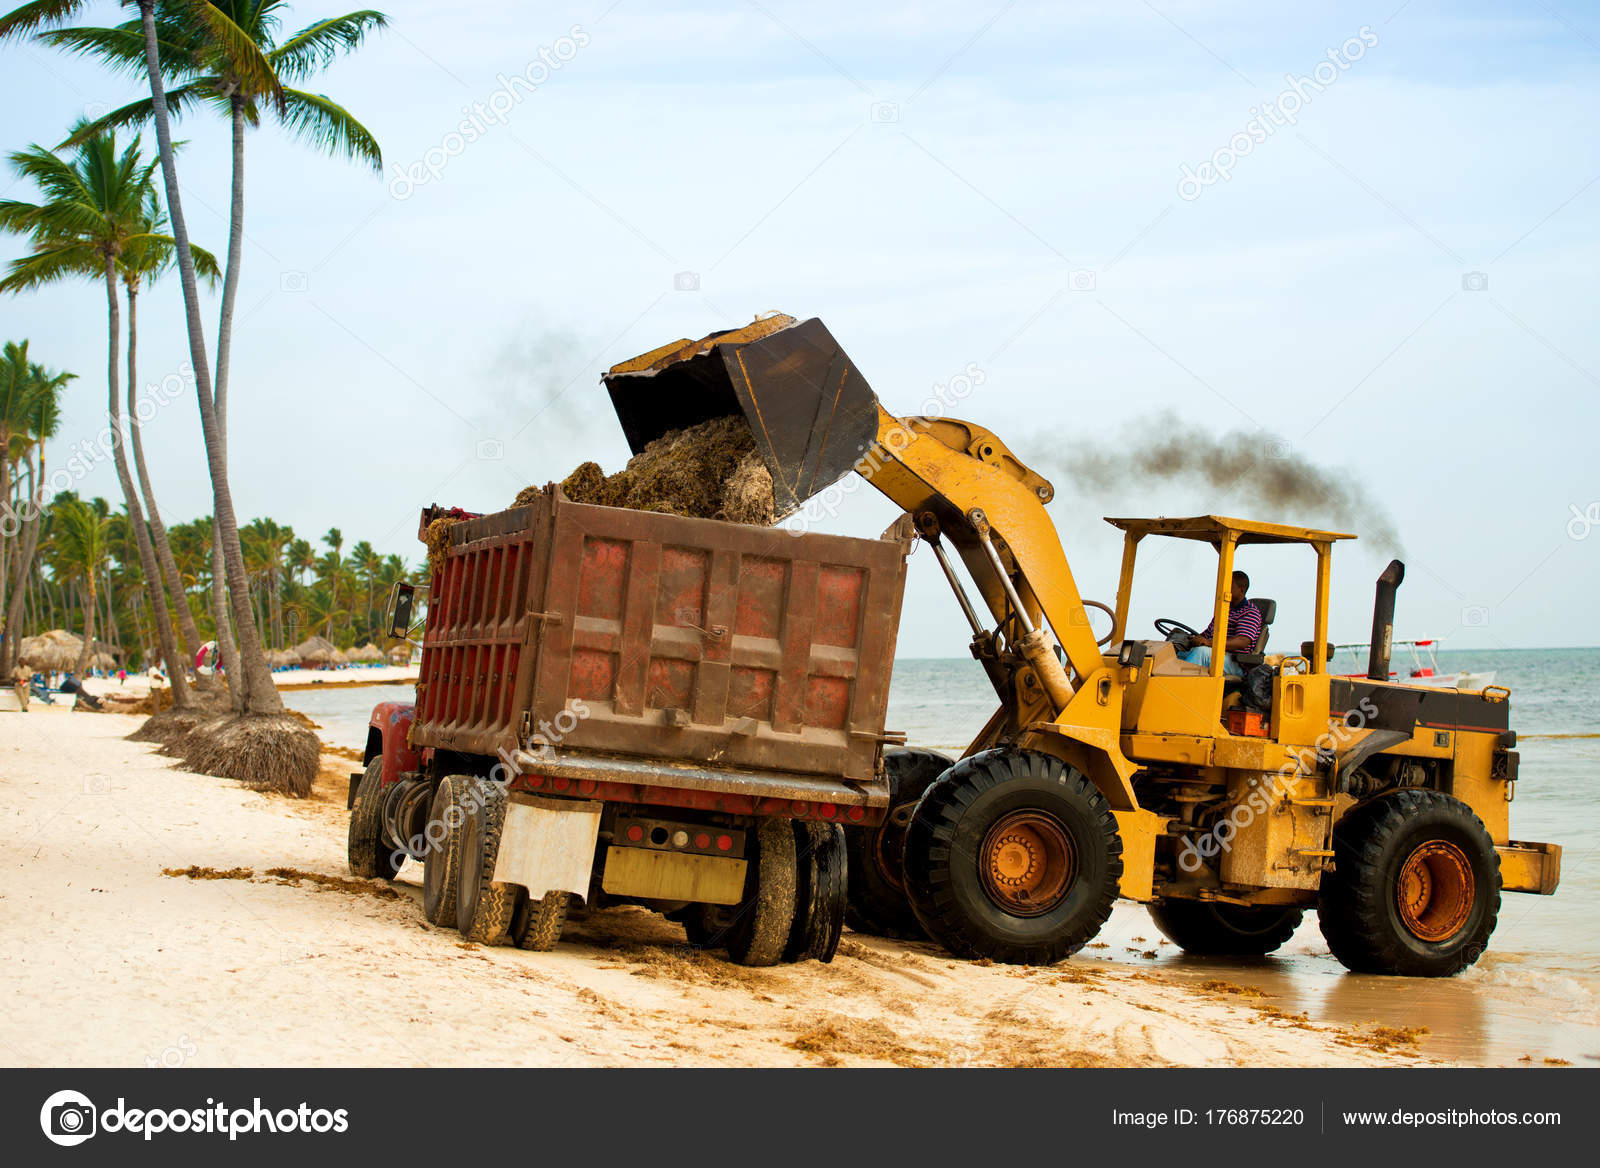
point(1139, 831)
point(1474, 783)
point(654, 875)
point(1529, 867)
point(1279, 831)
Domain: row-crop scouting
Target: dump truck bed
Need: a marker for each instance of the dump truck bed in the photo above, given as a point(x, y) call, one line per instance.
point(662, 650)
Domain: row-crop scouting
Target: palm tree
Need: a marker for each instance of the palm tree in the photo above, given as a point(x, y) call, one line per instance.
point(80, 544)
point(366, 561)
point(28, 394)
point(227, 55)
point(94, 207)
point(30, 428)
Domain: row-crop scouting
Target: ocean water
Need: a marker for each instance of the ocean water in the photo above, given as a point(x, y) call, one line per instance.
point(1535, 993)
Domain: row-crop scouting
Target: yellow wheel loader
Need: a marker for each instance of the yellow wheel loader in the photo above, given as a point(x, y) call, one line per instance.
point(1113, 766)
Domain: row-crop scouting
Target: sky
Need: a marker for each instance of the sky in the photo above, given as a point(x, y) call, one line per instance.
point(1361, 238)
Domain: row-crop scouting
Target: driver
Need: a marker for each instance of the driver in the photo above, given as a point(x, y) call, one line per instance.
point(1244, 626)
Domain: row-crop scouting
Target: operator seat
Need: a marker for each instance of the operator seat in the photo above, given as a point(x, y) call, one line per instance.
point(1255, 656)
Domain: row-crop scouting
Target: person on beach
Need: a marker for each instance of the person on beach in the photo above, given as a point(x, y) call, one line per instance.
point(21, 679)
point(81, 696)
point(1244, 626)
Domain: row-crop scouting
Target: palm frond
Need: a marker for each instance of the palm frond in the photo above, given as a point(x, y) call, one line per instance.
point(67, 261)
point(328, 126)
point(136, 114)
point(27, 18)
point(237, 50)
point(315, 47)
point(120, 49)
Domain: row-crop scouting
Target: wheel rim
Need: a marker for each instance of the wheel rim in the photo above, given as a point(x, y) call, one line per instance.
point(1028, 862)
point(1435, 891)
point(888, 850)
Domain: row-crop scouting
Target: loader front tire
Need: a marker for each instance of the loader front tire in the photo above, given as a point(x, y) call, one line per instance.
point(877, 901)
point(1415, 888)
point(1212, 929)
point(1013, 855)
point(441, 867)
point(366, 851)
point(483, 908)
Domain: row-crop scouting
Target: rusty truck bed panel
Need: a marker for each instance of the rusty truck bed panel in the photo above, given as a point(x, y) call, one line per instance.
point(599, 629)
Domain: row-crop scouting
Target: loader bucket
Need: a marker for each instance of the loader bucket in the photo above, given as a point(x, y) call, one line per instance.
point(812, 413)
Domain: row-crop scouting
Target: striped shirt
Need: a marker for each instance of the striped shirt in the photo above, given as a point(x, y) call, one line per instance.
point(1244, 620)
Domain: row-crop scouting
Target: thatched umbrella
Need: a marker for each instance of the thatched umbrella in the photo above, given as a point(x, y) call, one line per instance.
point(369, 652)
point(400, 654)
point(316, 651)
point(53, 652)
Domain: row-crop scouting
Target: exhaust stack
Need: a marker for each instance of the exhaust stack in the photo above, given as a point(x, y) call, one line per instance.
point(1383, 621)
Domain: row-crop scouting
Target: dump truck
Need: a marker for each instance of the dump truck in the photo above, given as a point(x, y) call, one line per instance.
point(1229, 801)
point(620, 706)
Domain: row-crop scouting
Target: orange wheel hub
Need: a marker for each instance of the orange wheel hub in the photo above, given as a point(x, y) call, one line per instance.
point(1435, 891)
point(1027, 862)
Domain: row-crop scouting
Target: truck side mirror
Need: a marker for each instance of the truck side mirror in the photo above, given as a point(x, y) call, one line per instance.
point(401, 598)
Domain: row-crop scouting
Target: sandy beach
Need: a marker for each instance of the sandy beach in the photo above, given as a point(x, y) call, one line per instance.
point(267, 954)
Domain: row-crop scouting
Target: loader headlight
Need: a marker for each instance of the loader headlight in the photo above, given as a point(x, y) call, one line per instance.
point(1131, 655)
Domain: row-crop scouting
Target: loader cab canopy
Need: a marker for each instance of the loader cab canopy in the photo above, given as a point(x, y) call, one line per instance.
point(1225, 534)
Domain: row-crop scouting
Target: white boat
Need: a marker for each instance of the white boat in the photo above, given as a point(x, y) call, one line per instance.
point(1424, 668)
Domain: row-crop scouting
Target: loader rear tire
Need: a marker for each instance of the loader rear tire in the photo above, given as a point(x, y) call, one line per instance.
point(1415, 888)
point(483, 908)
point(367, 853)
point(1211, 929)
point(1013, 856)
point(877, 902)
point(820, 890)
point(441, 868)
point(536, 924)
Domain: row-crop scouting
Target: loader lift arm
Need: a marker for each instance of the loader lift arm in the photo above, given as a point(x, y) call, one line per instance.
point(815, 419)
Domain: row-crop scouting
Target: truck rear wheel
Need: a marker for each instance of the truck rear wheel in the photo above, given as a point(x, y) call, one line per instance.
point(877, 903)
point(483, 908)
point(1013, 856)
point(1212, 929)
point(367, 853)
point(441, 867)
point(536, 924)
point(756, 930)
point(1415, 888)
point(820, 889)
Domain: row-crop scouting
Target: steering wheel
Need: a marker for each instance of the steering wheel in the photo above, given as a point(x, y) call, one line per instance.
point(1166, 626)
point(1110, 612)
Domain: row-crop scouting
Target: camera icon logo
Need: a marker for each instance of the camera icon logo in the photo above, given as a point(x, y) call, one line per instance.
point(293, 281)
point(68, 1118)
point(686, 282)
point(1475, 616)
point(491, 450)
point(884, 112)
point(1278, 449)
point(1475, 281)
point(1081, 280)
point(96, 110)
point(97, 784)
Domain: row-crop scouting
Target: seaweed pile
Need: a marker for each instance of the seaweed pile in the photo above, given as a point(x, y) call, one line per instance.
point(707, 471)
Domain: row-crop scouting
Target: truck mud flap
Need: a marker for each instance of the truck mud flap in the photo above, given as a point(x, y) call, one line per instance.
point(547, 845)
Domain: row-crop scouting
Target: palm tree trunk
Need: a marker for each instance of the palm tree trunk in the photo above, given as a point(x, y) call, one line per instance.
point(259, 695)
point(22, 566)
point(227, 648)
point(147, 558)
point(173, 581)
point(89, 598)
